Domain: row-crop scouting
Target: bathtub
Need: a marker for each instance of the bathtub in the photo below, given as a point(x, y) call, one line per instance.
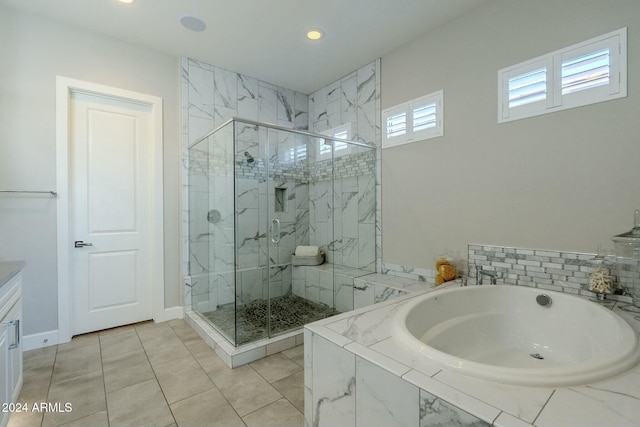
point(500, 333)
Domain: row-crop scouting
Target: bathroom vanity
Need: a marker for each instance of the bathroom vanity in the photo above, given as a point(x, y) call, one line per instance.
point(10, 336)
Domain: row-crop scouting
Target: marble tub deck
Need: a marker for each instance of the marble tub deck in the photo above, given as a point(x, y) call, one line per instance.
point(362, 339)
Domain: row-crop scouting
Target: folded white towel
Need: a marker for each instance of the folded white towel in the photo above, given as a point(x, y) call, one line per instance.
point(307, 250)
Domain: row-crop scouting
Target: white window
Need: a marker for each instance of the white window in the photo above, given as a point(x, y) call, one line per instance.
point(339, 148)
point(296, 154)
point(413, 121)
point(585, 73)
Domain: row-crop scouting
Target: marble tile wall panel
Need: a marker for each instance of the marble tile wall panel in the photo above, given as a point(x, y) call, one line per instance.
point(312, 285)
point(353, 99)
point(343, 288)
point(326, 284)
point(377, 288)
point(299, 282)
point(210, 96)
point(334, 383)
point(437, 412)
point(420, 274)
point(384, 399)
point(363, 294)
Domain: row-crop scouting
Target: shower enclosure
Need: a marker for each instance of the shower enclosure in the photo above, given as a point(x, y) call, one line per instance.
point(256, 192)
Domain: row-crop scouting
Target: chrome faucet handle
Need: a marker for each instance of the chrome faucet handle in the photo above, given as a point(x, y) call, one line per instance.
point(480, 273)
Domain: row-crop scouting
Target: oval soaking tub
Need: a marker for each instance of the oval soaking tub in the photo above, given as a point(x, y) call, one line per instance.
point(500, 333)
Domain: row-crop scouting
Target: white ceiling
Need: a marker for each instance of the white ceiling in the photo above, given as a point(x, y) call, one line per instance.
point(262, 38)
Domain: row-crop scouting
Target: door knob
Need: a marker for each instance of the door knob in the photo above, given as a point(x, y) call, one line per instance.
point(81, 244)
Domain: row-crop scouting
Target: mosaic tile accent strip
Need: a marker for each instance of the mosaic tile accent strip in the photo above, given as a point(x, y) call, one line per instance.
point(562, 271)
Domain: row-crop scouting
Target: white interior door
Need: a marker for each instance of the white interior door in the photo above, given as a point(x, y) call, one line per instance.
point(110, 212)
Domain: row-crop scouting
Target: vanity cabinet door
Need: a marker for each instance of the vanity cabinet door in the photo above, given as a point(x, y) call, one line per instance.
point(4, 372)
point(10, 359)
point(13, 321)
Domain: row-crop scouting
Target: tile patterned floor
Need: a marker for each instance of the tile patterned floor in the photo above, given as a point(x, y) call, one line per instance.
point(158, 374)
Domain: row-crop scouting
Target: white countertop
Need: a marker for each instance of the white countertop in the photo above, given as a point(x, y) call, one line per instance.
point(366, 333)
point(8, 270)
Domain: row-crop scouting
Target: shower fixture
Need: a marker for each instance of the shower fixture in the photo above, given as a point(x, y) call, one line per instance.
point(249, 157)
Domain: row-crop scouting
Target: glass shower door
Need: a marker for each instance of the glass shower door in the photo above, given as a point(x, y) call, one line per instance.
point(211, 222)
point(285, 193)
point(297, 294)
point(251, 257)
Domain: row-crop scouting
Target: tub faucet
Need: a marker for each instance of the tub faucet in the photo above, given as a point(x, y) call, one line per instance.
point(480, 273)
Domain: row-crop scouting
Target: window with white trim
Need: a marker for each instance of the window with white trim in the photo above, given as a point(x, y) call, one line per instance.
point(416, 120)
point(585, 73)
point(339, 148)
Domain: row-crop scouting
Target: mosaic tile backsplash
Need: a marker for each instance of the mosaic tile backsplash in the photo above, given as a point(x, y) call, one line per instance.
point(562, 271)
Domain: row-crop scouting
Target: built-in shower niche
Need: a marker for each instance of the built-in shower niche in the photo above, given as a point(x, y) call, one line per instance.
point(272, 189)
point(280, 199)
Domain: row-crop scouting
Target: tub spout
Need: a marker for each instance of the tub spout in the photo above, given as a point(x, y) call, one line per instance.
point(480, 273)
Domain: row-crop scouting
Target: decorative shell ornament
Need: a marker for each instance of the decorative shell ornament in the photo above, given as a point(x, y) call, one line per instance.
point(446, 271)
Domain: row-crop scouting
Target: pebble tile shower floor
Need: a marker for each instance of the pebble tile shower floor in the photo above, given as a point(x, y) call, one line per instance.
point(287, 313)
point(160, 375)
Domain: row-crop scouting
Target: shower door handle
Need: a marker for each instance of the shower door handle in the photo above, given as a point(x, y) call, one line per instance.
point(275, 231)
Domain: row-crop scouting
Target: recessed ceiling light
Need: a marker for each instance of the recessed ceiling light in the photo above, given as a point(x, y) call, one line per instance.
point(315, 34)
point(126, 1)
point(192, 23)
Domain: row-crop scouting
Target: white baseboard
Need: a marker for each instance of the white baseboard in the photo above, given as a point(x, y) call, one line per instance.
point(39, 340)
point(171, 313)
point(48, 338)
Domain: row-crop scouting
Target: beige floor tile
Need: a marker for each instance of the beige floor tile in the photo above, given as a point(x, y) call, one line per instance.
point(35, 384)
point(148, 330)
point(275, 367)
point(245, 389)
point(75, 361)
point(296, 354)
point(185, 332)
point(278, 414)
point(37, 368)
point(39, 357)
point(99, 419)
point(139, 405)
point(125, 341)
point(182, 378)
point(199, 346)
point(126, 369)
point(210, 361)
point(164, 348)
point(292, 388)
point(208, 409)
point(130, 361)
point(80, 341)
point(25, 419)
point(85, 393)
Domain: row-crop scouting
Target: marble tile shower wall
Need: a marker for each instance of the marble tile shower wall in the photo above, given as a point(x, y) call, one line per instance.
point(343, 220)
point(354, 99)
point(211, 96)
point(562, 271)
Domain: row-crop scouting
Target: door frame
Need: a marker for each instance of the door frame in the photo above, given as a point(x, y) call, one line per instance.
point(64, 87)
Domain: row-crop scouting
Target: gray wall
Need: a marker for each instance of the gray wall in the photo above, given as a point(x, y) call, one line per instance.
point(566, 181)
point(33, 52)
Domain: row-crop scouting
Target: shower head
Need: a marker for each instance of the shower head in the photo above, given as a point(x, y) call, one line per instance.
point(249, 157)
